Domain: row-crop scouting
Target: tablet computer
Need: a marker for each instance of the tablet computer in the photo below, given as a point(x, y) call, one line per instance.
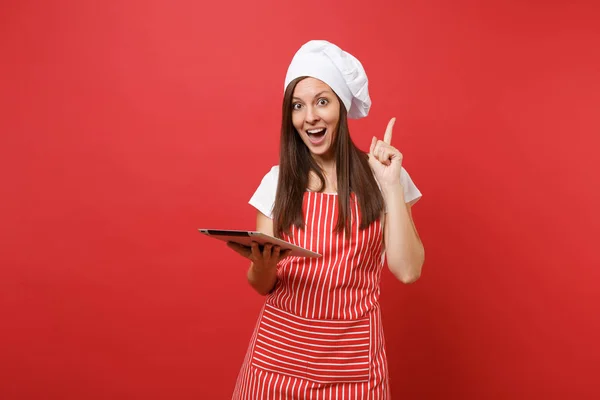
point(246, 238)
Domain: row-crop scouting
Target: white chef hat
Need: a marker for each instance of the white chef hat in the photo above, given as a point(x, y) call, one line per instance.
point(325, 61)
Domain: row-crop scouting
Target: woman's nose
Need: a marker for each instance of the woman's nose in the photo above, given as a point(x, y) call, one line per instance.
point(311, 115)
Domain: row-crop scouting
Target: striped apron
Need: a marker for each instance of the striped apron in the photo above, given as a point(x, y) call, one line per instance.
point(319, 334)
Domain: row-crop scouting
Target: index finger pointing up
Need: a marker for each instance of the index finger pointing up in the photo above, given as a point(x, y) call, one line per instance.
point(387, 138)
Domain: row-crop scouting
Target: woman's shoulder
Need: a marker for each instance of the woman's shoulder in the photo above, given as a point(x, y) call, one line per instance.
point(274, 171)
point(264, 196)
point(271, 177)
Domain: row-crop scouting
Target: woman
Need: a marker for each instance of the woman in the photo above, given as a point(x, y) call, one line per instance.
point(319, 334)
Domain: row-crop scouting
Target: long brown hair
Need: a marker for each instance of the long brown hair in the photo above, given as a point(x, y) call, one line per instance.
point(295, 163)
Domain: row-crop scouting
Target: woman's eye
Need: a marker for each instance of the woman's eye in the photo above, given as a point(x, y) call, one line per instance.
point(322, 102)
point(296, 106)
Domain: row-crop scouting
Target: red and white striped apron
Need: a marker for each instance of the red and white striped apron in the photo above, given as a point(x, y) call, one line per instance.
point(319, 334)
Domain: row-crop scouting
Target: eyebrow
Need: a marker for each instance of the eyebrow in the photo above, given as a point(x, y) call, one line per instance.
point(316, 95)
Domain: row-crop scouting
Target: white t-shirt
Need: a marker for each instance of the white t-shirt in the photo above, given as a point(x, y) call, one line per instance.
point(264, 197)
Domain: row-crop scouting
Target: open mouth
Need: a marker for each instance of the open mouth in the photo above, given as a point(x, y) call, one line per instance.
point(316, 135)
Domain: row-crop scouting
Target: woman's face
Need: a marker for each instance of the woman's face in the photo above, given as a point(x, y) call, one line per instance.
point(315, 115)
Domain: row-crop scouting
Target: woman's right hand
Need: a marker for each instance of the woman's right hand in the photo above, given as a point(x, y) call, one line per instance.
point(262, 274)
point(268, 259)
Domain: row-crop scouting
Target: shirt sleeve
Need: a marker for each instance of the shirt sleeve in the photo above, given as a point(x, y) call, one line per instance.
point(412, 194)
point(263, 198)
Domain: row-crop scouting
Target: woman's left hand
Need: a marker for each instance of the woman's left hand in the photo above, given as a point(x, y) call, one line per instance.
point(385, 160)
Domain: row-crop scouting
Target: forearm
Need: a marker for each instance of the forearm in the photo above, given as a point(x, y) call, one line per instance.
point(404, 251)
point(262, 279)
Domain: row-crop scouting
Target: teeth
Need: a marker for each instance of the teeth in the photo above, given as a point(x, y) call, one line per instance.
point(313, 131)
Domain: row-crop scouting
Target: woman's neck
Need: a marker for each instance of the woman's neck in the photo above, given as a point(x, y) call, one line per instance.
point(327, 164)
point(329, 170)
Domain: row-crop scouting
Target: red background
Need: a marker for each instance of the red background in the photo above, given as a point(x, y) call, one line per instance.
point(126, 125)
